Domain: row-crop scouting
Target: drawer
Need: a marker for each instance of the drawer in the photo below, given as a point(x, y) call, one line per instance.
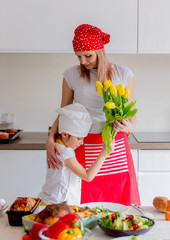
point(154, 160)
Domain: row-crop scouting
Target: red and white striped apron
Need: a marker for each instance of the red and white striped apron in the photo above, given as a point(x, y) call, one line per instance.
point(116, 181)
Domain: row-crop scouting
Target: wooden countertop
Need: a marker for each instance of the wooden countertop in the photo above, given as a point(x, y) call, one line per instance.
point(27, 141)
point(37, 141)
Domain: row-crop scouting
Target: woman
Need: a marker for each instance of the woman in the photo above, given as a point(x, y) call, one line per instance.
point(116, 181)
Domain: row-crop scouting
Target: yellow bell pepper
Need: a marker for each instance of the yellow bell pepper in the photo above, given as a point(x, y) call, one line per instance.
point(99, 87)
point(70, 233)
point(110, 105)
point(126, 94)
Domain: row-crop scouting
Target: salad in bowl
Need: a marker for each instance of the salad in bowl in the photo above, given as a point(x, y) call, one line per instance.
point(117, 224)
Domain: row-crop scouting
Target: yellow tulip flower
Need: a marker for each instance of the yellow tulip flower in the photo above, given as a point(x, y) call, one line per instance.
point(126, 94)
point(110, 105)
point(113, 90)
point(99, 87)
point(121, 89)
point(107, 84)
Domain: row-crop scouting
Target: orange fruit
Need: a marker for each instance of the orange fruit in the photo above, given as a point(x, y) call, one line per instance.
point(167, 216)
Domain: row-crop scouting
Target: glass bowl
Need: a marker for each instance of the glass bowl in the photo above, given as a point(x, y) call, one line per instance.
point(87, 234)
point(4, 209)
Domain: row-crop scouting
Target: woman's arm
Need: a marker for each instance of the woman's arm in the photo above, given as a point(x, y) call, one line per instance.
point(89, 174)
point(51, 146)
point(128, 124)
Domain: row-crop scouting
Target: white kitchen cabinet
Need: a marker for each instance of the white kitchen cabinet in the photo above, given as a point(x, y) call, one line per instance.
point(48, 26)
point(154, 29)
point(153, 175)
point(22, 173)
point(152, 184)
point(154, 160)
point(134, 153)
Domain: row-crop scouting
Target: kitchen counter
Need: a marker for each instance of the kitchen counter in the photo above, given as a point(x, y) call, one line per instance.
point(27, 141)
point(37, 141)
point(161, 230)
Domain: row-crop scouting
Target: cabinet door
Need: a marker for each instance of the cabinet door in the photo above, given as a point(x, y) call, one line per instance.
point(154, 30)
point(48, 26)
point(154, 160)
point(152, 184)
point(22, 173)
point(154, 175)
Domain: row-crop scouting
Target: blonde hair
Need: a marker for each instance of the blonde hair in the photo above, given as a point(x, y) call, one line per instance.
point(104, 70)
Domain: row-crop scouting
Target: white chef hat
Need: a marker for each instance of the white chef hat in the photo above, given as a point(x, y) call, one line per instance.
point(75, 120)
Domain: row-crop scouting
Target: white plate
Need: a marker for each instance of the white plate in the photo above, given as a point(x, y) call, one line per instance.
point(112, 206)
point(128, 238)
point(161, 211)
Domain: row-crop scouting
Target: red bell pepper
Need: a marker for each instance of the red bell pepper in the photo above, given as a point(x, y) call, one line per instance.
point(33, 234)
point(55, 229)
point(68, 221)
point(72, 219)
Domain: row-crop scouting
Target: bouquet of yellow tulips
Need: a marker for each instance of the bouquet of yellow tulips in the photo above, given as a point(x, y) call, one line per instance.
point(118, 106)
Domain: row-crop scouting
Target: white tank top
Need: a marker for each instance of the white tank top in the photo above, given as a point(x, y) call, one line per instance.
point(85, 93)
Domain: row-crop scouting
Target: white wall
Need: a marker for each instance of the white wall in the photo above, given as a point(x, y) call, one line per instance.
point(30, 87)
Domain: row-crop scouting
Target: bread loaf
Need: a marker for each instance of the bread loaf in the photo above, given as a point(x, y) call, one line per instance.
point(161, 203)
point(23, 204)
point(4, 135)
point(168, 207)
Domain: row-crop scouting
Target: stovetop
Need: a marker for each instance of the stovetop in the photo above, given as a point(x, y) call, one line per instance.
point(148, 137)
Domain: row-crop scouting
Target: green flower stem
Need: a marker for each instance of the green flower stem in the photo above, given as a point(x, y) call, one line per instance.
point(114, 134)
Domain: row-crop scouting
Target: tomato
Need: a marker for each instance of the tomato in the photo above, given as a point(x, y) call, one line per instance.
point(127, 134)
point(113, 216)
point(26, 237)
point(135, 226)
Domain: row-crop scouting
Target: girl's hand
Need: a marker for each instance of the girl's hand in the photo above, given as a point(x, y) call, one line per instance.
point(104, 150)
point(51, 149)
point(125, 126)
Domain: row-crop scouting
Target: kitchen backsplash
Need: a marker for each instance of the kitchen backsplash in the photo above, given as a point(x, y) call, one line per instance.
point(30, 88)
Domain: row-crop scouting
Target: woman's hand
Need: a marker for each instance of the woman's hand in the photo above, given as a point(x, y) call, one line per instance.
point(51, 149)
point(125, 126)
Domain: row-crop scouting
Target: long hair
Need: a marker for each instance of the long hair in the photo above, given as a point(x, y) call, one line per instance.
point(104, 69)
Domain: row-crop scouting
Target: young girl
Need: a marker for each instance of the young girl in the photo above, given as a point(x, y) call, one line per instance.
point(64, 184)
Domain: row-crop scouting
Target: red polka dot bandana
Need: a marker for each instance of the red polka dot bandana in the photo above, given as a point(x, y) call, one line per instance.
point(89, 38)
